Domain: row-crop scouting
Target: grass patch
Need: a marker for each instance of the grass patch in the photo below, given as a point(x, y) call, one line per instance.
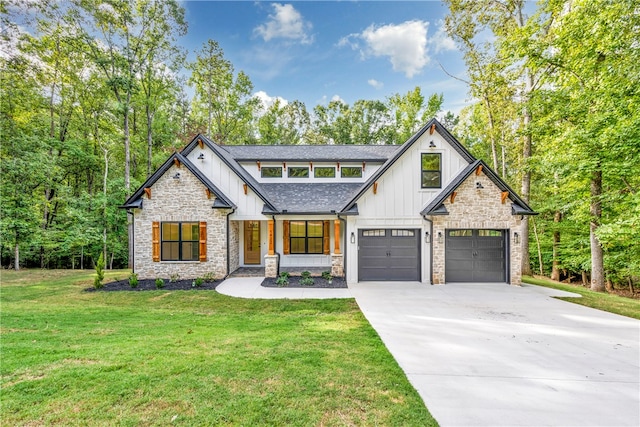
point(71, 357)
point(602, 301)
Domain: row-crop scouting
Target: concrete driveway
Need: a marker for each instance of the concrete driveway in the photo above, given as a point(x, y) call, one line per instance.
point(500, 355)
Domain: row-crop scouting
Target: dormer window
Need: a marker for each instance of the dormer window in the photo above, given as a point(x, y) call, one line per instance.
point(271, 172)
point(298, 172)
point(324, 172)
point(351, 172)
point(431, 170)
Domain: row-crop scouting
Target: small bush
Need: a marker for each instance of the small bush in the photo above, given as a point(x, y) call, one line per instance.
point(305, 274)
point(307, 281)
point(133, 280)
point(159, 283)
point(209, 277)
point(326, 275)
point(174, 278)
point(283, 279)
point(97, 281)
point(198, 282)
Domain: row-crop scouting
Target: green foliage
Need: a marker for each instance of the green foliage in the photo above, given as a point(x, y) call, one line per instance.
point(197, 282)
point(307, 281)
point(133, 280)
point(99, 267)
point(283, 279)
point(159, 283)
point(326, 275)
point(209, 277)
point(174, 278)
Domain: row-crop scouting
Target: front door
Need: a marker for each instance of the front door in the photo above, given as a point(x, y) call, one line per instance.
point(252, 242)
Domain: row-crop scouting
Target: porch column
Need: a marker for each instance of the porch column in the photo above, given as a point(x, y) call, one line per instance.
point(271, 238)
point(337, 259)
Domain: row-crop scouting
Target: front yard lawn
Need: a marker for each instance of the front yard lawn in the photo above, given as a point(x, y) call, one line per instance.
point(71, 357)
point(602, 301)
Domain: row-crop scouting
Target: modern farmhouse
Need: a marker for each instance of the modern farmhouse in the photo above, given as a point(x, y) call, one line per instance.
point(424, 211)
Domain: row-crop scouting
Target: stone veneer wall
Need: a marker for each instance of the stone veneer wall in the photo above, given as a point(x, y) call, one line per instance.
point(182, 200)
point(234, 246)
point(477, 208)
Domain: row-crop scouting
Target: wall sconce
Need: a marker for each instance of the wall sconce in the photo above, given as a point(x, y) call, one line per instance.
point(201, 156)
point(427, 237)
point(353, 237)
point(176, 176)
point(432, 144)
point(479, 185)
point(439, 236)
point(516, 238)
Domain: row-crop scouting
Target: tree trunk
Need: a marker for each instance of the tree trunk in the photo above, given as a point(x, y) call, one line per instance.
point(149, 140)
point(127, 182)
point(104, 207)
point(526, 177)
point(597, 255)
point(535, 233)
point(555, 266)
point(16, 264)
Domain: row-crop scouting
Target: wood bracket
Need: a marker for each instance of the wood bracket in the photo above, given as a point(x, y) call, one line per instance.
point(200, 142)
point(284, 165)
point(453, 196)
point(208, 193)
point(363, 165)
point(244, 186)
point(311, 166)
point(338, 165)
point(176, 162)
point(432, 129)
point(258, 163)
point(147, 191)
point(503, 196)
point(479, 170)
point(375, 187)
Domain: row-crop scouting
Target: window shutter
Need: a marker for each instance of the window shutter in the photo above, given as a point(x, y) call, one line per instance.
point(155, 241)
point(326, 237)
point(203, 241)
point(285, 237)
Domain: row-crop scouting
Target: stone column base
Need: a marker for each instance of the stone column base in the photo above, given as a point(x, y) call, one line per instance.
point(271, 265)
point(337, 265)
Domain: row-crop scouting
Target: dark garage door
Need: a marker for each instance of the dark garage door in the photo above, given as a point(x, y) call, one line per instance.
point(389, 255)
point(473, 255)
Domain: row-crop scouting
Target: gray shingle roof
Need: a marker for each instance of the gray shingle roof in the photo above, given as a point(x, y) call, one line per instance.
point(309, 198)
point(280, 153)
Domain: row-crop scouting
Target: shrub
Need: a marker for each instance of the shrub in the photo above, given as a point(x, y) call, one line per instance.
point(307, 281)
point(283, 279)
point(198, 282)
point(209, 277)
point(159, 283)
point(97, 282)
point(326, 275)
point(174, 278)
point(133, 280)
point(305, 274)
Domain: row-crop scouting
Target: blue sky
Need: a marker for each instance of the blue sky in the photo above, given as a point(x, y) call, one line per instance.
point(315, 51)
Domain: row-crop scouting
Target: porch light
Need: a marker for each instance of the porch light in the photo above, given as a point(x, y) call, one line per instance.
point(427, 237)
point(516, 238)
point(479, 185)
point(439, 236)
point(432, 144)
point(353, 237)
point(176, 176)
point(201, 156)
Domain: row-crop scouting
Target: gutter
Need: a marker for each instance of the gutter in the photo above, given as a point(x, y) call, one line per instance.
point(228, 246)
point(344, 252)
point(430, 248)
point(273, 217)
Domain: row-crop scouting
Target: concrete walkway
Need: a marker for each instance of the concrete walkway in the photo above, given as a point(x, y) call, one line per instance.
point(249, 287)
point(500, 355)
point(497, 355)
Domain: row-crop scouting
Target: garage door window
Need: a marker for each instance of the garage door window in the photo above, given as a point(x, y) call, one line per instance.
point(489, 233)
point(460, 233)
point(402, 233)
point(374, 233)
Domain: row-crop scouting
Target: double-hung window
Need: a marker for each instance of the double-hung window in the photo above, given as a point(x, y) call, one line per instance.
point(179, 241)
point(431, 170)
point(306, 237)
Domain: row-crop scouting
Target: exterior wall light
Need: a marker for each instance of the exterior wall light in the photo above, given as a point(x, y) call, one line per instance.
point(439, 236)
point(176, 176)
point(479, 185)
point(353, 237)
point(432, 144)
point(516, 238)
point(201, 156)
point(427, 237)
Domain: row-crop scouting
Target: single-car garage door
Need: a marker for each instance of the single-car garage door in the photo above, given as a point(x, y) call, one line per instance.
point(473, 255)
point(389, 255)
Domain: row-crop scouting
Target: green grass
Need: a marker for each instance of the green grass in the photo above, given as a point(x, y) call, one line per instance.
point(195, 357)
point(602, 301)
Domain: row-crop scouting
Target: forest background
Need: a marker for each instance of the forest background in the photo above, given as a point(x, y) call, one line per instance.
point(91, 102)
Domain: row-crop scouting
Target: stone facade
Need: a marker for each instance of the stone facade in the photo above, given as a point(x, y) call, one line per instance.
point(184, 200)
point(271, 266)
point(234, 246)
point(337, 265)
point(476, 208)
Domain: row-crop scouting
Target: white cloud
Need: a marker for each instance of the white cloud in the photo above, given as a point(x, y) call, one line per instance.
point(337, 98)
point(441, 41)
point(285, 23)
point(376, 84)
point(267, 101)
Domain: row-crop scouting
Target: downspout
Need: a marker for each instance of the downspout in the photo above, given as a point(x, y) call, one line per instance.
point(273, 217)
point(133, 239)
point(430, 248)
point(344, 251)
point(228, 245)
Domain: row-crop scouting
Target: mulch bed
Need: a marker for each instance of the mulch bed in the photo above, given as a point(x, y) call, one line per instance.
point(294, 282)
point(150, 285)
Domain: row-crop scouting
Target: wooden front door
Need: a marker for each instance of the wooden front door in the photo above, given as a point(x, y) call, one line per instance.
point(252, 242)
